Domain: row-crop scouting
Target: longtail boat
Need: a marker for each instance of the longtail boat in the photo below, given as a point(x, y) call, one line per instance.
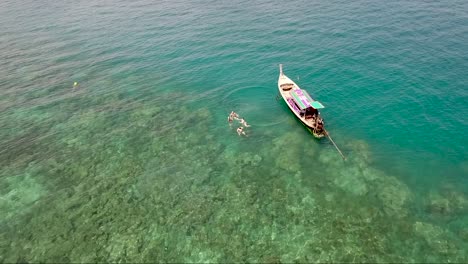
point(302, 105)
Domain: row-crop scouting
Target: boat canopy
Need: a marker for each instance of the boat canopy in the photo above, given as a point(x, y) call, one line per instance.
point(317, 105)
point(304, 100)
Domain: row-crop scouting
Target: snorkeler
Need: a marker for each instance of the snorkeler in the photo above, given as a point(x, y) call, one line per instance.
point(233, 115)
point(243, 122)
point(240, 131)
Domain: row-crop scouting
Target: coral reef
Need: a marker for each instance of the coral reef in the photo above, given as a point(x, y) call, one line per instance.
point(438, 240)
point(133, 180)
point(447, 203)
point(18, 192)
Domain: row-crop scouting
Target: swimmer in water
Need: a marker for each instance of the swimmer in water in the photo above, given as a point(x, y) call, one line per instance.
point(243, 122)
point(234, 115)
point(240, 131)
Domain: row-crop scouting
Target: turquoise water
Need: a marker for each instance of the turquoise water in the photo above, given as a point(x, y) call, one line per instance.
point(138, 163)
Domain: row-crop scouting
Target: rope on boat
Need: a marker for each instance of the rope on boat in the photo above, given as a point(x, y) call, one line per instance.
point(329, 137)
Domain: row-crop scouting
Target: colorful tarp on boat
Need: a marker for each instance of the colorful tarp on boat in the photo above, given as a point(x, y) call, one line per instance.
point(304, 100)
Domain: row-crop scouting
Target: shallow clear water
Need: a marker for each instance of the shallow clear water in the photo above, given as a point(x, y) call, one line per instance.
point(138, 163)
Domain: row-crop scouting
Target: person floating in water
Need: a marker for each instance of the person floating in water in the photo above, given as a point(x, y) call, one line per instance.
point(233, 115)
point(240, 131)
point(243, 122)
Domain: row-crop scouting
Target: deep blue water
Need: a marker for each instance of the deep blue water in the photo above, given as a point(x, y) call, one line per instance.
point(156, 82)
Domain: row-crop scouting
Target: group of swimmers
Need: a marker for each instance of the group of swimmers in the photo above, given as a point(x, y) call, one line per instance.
point(240, 130)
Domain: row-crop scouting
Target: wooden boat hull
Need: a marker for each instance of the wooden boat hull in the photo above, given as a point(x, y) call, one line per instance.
point(289, 91)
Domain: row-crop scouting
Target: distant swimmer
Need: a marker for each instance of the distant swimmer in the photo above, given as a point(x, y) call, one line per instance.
point(243, 122)
point(240, 131)
point(75, 84)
